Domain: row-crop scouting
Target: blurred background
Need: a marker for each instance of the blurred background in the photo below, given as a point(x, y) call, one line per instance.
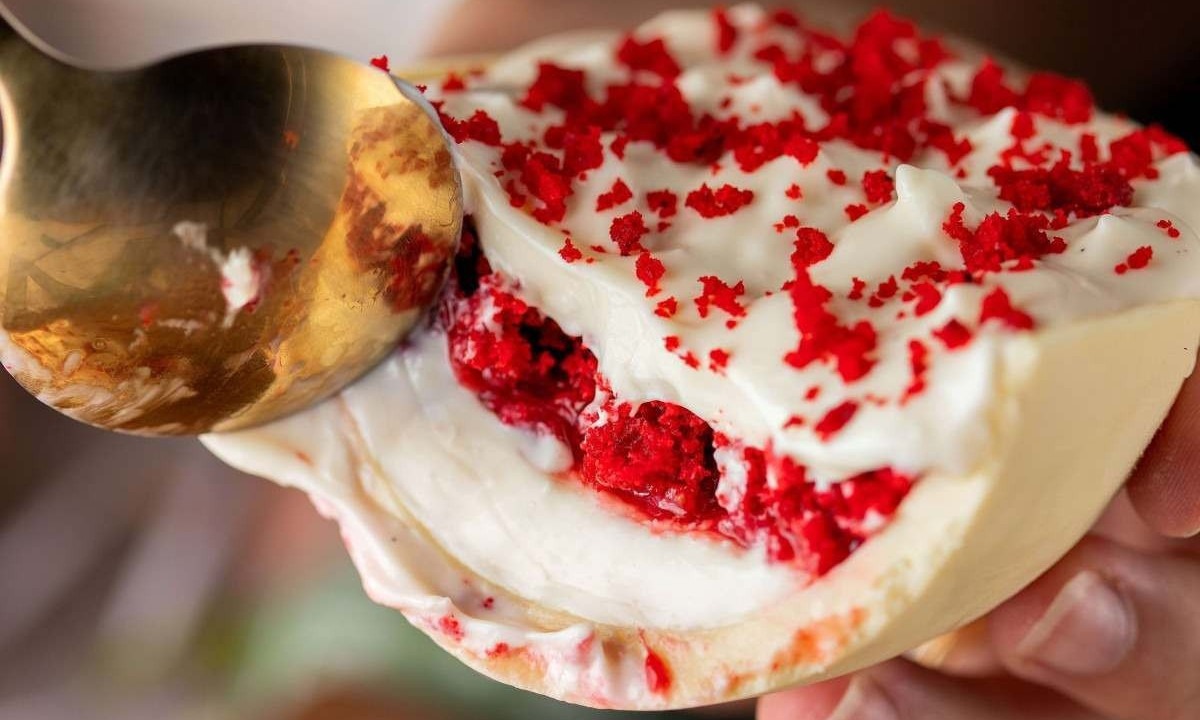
point(143, 579)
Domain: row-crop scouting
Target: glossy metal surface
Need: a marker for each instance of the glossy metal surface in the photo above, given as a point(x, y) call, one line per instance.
point(214, 241)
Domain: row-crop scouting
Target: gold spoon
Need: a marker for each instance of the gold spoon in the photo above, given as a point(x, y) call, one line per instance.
point(216, 240)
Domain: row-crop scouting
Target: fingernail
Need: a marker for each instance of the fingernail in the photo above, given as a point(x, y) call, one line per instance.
point(1088, 629)
point(864, 701)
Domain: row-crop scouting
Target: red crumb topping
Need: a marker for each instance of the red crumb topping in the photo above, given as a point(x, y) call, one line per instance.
point(618, 195)
point(1058, 97)
point(1000, 239)
point(658, 676)
point(727, 34)
point(1091, 191)
point(1135, 154)
point(650, 270)
point(480, 127)
point(878, 186)
point(811, 246)
point(918, 362)
point(855, 211)
point(721, 295)
point(927, 297)
point(997, 306)
point(664, 203)
point(569, 252)
point(725, 200)
point(873, 95)
point(651, 56)
point(718, 359)
point(836, 419)
point(627, 232)
point(788, 222)
point(823, 337)
point(1046, 94)
point(953, 334)
point(1169, 228)
point(1136, 260)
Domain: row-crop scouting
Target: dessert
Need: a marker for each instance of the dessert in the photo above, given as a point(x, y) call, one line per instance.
point(767, 355)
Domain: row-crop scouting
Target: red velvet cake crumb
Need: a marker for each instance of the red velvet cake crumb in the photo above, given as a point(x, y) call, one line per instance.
point(823, 337)
point(727, 33)
point(650, 56)
point(616, 196)
point(878, 186)
point(721, 295)
point(649, 270)
point(480, 127)
point(520, 364)
point(1093, 190)
point(1000, 239)
point(953, 334)
point(800, 524)
point(918, 362)
point(725, 200)
point(837, 418)
point(664, 203)
point(627, 232)
point(927, 297)
point(1169, 228)
point(1136, 260)
point(997, 306)
point(718, 359)
point(658, 457)
point(569, 253)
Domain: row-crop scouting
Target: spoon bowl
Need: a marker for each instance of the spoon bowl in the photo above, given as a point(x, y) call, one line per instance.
point(216, 240)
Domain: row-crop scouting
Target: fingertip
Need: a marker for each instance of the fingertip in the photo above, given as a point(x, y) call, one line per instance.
point(1110, 627)
point(810, 702)
point(1164, 488)
point(1166, 494)
point(1011, 622)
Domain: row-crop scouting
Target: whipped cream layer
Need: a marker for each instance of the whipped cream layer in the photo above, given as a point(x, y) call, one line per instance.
point(486, 504)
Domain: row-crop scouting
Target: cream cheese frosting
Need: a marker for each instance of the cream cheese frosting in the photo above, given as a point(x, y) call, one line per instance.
point(467, 525)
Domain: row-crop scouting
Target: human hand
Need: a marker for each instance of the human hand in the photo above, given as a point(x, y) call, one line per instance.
point(1111, 631)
